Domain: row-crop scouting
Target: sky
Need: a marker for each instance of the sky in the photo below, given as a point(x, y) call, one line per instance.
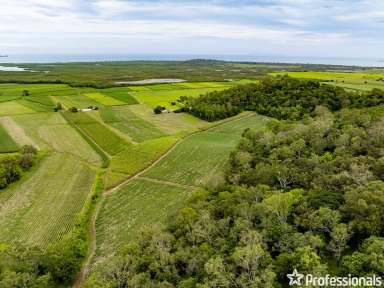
point(327, 28)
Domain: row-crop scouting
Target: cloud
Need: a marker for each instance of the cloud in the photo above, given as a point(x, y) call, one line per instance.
point(301, 26)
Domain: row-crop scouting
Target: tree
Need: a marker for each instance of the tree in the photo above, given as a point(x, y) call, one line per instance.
point(158, 109)
point(25, 93)
point(363, 208)
point(339, 239)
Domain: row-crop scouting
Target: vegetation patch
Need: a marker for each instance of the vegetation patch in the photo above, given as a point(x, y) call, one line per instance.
point(104, 99)
point(206, 154)
point(123, 119)
point(170, 123)
point(14, 108)
point(104, 137)
point(7, 144)
point(120, 94)
point(126, 212)
point(38, 214)
point(137, 157)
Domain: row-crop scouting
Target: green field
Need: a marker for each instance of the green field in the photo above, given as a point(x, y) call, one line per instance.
point(165, 97)
point(104, 137)
point(7, 144)
point(123, 119)
point(104, 99)
point(136, 157)
point(206, 153)
point(138, 204)
point(170, 123)
point(360, 87)
point(14, 108)
point(43, 207)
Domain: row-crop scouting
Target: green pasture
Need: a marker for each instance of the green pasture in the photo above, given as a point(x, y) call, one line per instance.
point(14, 108)
point(137, 157)
point(123, 119)
point(165, 97)
point(120, 94)
point(125, 212)
point(104, 99)
point(7, 144)
point(42, 207)
point(352, 77)
point(170, 123)
point(206, 153)
point(104, 137)
point(359, 87)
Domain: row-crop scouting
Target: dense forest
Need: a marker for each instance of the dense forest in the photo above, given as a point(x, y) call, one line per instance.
point(281, 98)
point(305, 194)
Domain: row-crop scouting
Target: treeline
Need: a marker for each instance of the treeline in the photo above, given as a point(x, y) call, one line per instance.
point(281, 98)
point(306, 196)
point(12, 167)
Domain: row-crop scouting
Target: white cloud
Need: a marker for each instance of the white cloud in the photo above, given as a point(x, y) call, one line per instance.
point(243, 26)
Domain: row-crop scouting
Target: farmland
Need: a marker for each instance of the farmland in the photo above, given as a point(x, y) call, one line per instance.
point(126, 166)
point(121, 138)
point(127, 211)
point(353, 81)
point(7, 144)
point(161, 189)
point(42, 208)
point(204, 152)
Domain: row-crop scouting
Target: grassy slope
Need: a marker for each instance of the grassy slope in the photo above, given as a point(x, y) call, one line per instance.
point(164, 97)
point(137, 157)
point(123, 119)
point(105, 138)
point(139, 203)
point(170, 123)
point(203, 155)
point(43, 206)
point(104, 99)
point(7, 144)
point(51, 131)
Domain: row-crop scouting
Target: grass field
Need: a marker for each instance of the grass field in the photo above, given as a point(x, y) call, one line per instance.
point(7, 144)
point(120, 94)
point(104, 137)
point(123, 119)
point(14, 108)
point(63, 138)
point(136, 157)
point(17, 132)
point(206, 153)
point(360, 87)
point(336, 76)
point(43, 207)
point(104, 99)
point(165, 97)
point(170, 123)
point(28, 126)
point(138, 204)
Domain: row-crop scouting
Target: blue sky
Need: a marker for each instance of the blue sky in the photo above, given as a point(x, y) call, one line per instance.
point(340, 28)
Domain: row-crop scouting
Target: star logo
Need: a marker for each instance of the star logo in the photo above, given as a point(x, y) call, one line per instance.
point(295, 278)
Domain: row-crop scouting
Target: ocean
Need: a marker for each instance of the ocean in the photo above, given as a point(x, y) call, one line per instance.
point(66, 58)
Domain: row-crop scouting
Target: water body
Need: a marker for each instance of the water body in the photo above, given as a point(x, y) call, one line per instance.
point(65, 58)
point(12, 69)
